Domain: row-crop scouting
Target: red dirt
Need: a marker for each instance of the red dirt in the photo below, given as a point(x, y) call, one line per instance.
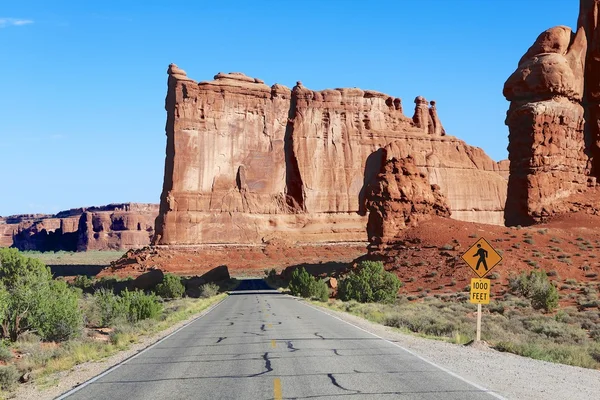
point(567, 247)
point(240, 260)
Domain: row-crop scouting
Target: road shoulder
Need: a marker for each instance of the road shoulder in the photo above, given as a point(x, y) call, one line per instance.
point(511, 376)
point(67, 380)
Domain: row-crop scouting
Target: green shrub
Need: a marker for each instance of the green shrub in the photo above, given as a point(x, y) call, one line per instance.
point(305, 285)
point(63, 318)
point(370, 282)
point(8, 377)
point(209, 290)
point(537, 287)
point(31, 300)
point(170, 288)
point(83, 282)
point(91, 311)
point(319, 290)
point(5, 353)
point(140, 306)
point(300, 282)
point(270, 273)
point(111, 307)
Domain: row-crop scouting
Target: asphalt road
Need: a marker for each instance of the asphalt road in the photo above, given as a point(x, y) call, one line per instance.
point(259, 344)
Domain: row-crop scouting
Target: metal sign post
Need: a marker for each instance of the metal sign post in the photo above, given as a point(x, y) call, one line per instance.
point(481, 258)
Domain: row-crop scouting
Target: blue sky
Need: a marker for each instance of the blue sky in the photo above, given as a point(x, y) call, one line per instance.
point(83, 83)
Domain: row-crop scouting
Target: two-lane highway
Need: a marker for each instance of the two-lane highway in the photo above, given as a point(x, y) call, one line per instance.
point(260, 344)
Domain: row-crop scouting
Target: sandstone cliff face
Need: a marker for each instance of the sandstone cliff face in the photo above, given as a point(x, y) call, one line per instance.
point(246, 162)
point(400, 197)
point(553, 119)
point(116, 226)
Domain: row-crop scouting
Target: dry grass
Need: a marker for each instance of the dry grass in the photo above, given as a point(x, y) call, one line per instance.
point(45, 359)
point(91, 257)
point(569, 336)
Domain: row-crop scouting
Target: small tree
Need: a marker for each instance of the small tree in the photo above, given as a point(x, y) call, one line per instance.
point(319, 290)
point(27, 282)
point(31, 301)
point(305, 285)
point(170, 288)
point(537, 287)
point(300, 282)
point(140, 306)
point(370, 282)
point(110, 305)
point(62, 319)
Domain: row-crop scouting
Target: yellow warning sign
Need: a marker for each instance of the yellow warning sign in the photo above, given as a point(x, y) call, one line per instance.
point(481, 257)
point(480, 291)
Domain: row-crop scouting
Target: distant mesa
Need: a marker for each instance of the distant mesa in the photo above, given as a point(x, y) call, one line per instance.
point(111, 227)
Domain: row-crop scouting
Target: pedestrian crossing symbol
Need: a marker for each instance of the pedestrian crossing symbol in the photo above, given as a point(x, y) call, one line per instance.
point(481, 257)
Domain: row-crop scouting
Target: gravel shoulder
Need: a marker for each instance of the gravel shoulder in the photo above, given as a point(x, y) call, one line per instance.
point(64, 381)
point(511, 376)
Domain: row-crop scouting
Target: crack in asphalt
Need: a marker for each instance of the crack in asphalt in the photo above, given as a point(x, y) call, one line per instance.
point(335, 351)
point(252, 333)
point(221, 338)
point(267, 366)
point(319, 336)
point(290, 346)
point(336, 384)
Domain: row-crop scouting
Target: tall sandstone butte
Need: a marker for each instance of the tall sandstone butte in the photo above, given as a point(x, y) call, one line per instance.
point(554, 119)
point(246, 163)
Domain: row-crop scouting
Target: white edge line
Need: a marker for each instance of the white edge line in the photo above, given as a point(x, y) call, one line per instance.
point(111, 369)
point(496, 395)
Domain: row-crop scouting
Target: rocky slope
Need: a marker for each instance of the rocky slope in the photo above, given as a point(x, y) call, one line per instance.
point(246, 163)
point(115, 226)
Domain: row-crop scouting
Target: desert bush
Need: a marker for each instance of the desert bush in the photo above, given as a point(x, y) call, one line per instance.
point(536, 287)
point(305, 285)
point(111, 307)
point(91, 311)
point(83, 282)
point(5, 353)
point(300, 282)
point(370, 282)
point(9, 376)
point(270, 273)
point(319, 290)
point(31, 300)
point(209, 290)
point(122, 335)
point(62, 319)
point(558, 331)
point(140, 306)
point(170, 288)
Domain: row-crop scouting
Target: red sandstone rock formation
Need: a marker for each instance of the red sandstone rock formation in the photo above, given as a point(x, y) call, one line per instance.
point(246, 162)
point(401, 197)
point(115, 226)
point(552, 146)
